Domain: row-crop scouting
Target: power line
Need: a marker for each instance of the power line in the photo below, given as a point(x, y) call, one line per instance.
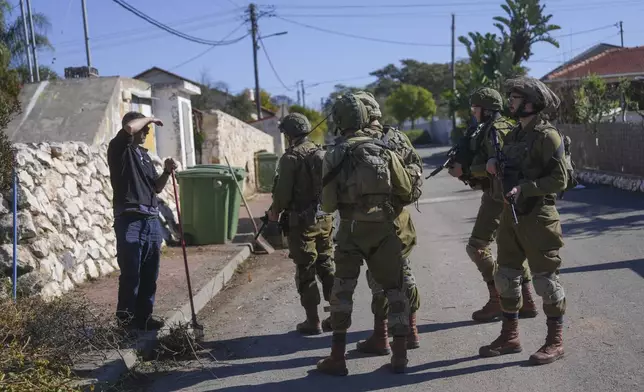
point(573, 50)
point(361, 37)
point(585, 31)
point(207, 50)
point(173, 31)
point(473, 3)
point(271, 64)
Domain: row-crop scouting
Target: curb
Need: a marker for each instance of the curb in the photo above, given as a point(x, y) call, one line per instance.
point(113, 364)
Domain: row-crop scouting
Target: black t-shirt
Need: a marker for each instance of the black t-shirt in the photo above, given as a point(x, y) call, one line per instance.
point(132, 175)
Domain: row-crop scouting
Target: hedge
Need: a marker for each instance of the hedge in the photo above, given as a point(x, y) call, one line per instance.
point(418, 136)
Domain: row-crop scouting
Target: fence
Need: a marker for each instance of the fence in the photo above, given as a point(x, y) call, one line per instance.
point(616, 148)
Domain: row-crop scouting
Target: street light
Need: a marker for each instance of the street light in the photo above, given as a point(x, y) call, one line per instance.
point(273, 35)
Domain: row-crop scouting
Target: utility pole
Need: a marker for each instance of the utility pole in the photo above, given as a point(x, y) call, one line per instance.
point(623, 97)
point(453, 68)
point(303, 93)
point(33, 40)
point(89, 57)
point(27, 45)
point(252, 10)
point(299, 94)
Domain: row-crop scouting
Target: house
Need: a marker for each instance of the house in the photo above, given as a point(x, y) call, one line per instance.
point(585, 55)
point(269, 124)
point(171, 104)
point(611, 65)
point(87, 110)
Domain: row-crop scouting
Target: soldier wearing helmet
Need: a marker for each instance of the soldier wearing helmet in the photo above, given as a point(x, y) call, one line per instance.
point(486, 106)
point(296, 195)
point(378, 342)
point(535, 171)
point(368, 201)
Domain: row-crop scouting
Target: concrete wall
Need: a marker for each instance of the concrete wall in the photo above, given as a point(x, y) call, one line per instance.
point(226, 136)
point(269, 127)
point(616, 148)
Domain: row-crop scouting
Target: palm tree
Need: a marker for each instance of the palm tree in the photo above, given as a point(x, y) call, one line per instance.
point(524, 26)
point(12, 36)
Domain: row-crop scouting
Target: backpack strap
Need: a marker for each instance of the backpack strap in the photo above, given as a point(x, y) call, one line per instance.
point(336, 170)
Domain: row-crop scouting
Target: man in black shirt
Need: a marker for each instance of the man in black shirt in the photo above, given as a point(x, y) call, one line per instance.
point(135, 185)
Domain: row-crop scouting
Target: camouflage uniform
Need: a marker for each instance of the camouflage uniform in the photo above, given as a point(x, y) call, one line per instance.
point(489, 214)
point(535, 162)
point(378, 342)
point(367, 231)
point(309, 233)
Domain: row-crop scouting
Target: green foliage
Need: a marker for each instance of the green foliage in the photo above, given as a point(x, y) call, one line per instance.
point(315, 118)
point(594, 100)
point(410, 102)
point(267, 103)
point(9, 106)
point(418, 137)
point(12, 36)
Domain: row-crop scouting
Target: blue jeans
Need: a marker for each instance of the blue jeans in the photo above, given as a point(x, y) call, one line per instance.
point(138, 252)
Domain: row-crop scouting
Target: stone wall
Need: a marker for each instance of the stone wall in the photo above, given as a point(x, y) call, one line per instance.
point(65, 217)
point(226, 136)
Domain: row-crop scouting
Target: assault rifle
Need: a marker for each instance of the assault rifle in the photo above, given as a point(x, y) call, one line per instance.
point(500, 172)
point(458, 153)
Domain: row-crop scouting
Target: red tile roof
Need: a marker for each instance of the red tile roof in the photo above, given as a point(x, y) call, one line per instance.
point(611, 62)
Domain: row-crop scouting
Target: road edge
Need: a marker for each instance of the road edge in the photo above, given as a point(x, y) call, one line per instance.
point(118, 362)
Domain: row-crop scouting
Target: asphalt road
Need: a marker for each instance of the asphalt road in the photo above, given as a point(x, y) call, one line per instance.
point(252, 347)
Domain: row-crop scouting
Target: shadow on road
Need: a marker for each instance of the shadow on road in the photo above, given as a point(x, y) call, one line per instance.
point(292, 342)
point(637, 265)
point(379, 379)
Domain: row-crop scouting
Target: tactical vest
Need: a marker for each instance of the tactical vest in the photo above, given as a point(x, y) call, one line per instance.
point(364, 181)
point(307, 187)
point(399, 143)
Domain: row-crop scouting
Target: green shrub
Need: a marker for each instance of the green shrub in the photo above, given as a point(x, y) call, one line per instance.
point(418, 137)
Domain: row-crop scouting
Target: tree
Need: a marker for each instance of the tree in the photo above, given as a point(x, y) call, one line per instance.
point(524, 26)
point(594, 100)
point(9, 106)
point(267, 103)
point(410, 102)
point(12, 36)
point(315, 118)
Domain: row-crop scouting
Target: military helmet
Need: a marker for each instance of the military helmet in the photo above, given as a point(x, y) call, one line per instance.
point(533, 91)
point(368, 100)
point(295, 124)
point(349, 113)
point(487, 98)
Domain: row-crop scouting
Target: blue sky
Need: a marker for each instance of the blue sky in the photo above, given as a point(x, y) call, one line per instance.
point(123, 44)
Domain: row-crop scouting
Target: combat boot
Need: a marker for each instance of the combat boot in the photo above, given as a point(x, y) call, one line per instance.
point(413, 340)
point(553, 349)
point(507, 343)
point(336, 364)
point(311, 326)
point(378, 342)
point(492, 309)
point(529, 308)
point(399, 359)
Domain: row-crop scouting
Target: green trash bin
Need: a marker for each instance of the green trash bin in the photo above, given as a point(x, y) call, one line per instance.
point(204, 203)
point(266, 167)
point(234, 198)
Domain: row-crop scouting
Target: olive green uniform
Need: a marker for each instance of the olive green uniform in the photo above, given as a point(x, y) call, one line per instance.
point(534, 154)
point(488, 217)
point(371, 237)
point(309, 231)
point(404, 225)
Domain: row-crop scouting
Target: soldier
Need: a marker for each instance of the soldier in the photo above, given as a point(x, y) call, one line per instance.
point(486, 106)
point(364, 181)
point(296, 193)
point(534, 172)
point(378, 342)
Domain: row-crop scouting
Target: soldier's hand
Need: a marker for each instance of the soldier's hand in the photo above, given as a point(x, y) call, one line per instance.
point(273, 216)
point(169, 165)
point(456, 170)
point(514, 193)
point(491, 166)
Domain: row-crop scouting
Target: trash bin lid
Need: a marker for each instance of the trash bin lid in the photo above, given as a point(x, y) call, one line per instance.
point(203, 172)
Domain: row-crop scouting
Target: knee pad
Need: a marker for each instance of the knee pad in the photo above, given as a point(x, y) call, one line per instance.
point(548, 287)
point(341, 300)
point(508, 282)
point(409, 280)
